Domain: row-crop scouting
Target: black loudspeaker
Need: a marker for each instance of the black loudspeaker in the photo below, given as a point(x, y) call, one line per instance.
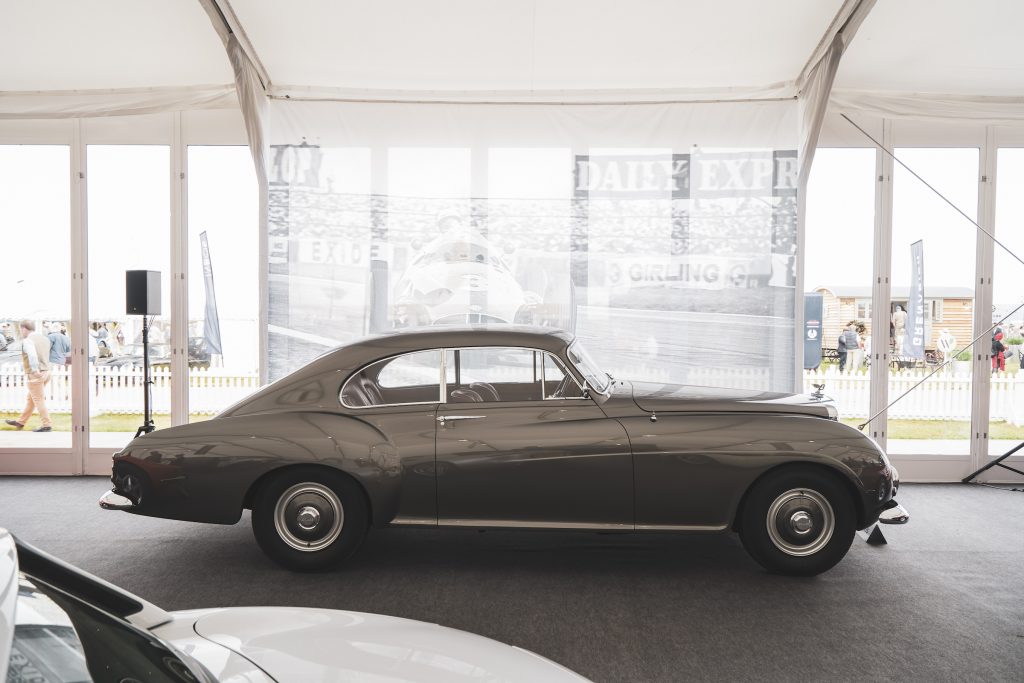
point(142, 292)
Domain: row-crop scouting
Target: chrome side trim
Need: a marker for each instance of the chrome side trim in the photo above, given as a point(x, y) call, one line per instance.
point(522, 524)
point(414, 521)
point(681, 527)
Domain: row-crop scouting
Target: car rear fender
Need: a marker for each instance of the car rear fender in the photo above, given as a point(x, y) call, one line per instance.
point(205, 471)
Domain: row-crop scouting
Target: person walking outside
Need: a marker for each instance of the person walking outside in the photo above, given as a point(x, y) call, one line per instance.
point(35, 357)
point(841, 349)
point(998, 352)
point(60, 345)
point(854, 354)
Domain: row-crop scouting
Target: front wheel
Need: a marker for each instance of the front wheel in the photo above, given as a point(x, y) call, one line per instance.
point(309, 519)
point(799, 522)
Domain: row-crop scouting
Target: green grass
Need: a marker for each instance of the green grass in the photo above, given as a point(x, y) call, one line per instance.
point(99, 423)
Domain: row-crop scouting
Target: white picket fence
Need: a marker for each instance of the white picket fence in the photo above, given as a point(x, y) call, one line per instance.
point(119, 390)
point(946, 396)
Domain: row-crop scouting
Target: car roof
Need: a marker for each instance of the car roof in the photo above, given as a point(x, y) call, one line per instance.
point(454, 336)
point(362, 352)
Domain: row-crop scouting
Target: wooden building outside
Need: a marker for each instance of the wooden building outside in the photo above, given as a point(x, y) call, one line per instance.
point(950, 308)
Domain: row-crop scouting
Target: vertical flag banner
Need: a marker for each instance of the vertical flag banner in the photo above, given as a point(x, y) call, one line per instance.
point(211, 327)
point(913, 344)
point(813, 308)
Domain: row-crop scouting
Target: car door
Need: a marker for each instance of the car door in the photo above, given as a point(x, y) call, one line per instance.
point(398, 397)
point(515, 450)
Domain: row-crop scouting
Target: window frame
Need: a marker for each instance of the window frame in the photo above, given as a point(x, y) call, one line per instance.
point(393, 357)
point(443, 368)
point(865, 304)
point(543, 380)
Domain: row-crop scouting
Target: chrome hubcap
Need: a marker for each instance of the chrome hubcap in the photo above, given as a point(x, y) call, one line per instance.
point(800, 522)
point(309, 516)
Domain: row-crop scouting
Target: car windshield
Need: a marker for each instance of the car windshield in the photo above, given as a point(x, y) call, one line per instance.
point(59, 638)
point(591, 371)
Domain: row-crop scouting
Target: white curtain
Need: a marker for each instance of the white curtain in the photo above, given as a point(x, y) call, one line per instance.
point(662, 234)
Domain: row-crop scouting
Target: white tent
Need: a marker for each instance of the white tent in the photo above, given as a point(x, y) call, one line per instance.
point(64, 57)
point(569, 75)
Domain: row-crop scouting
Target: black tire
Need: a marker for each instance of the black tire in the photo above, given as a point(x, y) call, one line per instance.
point(814, 521)
point(294, 514)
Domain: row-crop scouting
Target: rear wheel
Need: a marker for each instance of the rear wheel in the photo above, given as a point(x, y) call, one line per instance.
point(799, 522)
point(309, 518)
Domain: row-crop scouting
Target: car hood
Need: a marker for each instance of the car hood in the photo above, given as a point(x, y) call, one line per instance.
point(675, 398)
point(311, 645)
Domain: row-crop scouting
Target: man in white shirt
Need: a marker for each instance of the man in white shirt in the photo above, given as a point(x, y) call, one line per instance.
point(35, 357)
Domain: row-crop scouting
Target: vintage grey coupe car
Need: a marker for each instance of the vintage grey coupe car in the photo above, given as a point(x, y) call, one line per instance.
point(510, 426)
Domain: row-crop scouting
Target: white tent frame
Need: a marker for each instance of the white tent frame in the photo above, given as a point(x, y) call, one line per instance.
point(131, 116)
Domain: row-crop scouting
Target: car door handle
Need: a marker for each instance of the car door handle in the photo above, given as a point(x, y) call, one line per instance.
point(444, 418)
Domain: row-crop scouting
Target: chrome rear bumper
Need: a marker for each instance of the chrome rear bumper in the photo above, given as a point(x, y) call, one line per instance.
point(115, 501)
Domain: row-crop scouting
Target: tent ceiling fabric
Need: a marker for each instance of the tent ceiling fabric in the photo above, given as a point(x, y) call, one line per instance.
point(108, 44)
point(958, 53)
point(938, 46)
point(497, 45)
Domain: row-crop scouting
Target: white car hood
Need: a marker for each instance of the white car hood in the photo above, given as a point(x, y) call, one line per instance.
point(317, 645)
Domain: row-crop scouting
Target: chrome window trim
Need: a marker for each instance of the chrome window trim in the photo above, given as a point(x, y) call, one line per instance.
point(608, 387)
point(441, 386)
point(561, 366)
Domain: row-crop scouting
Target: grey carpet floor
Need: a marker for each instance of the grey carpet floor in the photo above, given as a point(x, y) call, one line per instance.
point(944, 601)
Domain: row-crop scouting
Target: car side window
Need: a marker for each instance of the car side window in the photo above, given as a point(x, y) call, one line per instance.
point(557, 384)
point(409, 378)
point(495, 373)
point(503, 374)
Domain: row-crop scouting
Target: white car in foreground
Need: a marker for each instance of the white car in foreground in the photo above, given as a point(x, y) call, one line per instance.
point(59, 624)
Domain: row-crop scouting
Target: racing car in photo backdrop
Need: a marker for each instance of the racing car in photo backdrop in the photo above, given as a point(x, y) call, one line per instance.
point(462, 277)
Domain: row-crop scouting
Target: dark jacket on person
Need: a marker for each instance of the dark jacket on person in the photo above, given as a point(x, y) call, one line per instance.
point(851, 339)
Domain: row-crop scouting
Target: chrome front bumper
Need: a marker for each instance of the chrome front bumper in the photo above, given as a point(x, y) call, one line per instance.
point(115, 501)
point(896, 514)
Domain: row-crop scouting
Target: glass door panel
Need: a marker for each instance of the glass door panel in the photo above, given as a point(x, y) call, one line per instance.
point(1006, 407)
point(838, 267)
point(35, 278)
point(934, 418)
point(223, 278)
point(129, 229)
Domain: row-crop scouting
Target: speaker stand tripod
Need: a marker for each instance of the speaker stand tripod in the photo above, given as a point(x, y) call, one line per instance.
point(147, 417)
point(998, 462)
